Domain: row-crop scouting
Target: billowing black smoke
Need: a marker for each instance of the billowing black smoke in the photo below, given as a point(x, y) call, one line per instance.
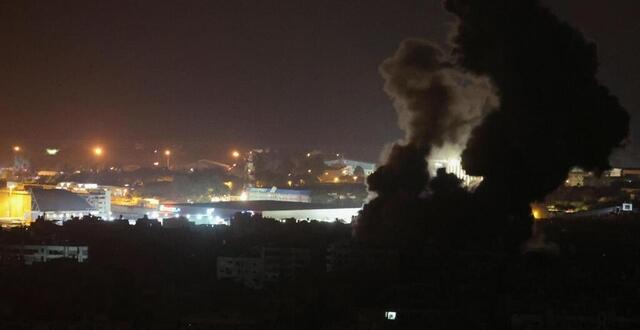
point(437, 106)
point(553, 115)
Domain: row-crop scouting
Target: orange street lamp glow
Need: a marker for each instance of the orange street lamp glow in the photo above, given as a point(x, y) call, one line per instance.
point(97, 151)
point(235, 154)
point(17, 148)
point(167, 152)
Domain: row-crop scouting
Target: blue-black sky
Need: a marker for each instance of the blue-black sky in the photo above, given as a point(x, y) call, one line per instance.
point(248, 73)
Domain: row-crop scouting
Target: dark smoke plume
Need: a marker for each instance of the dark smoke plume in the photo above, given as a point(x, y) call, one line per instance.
point(553, 115)
point(437, 106)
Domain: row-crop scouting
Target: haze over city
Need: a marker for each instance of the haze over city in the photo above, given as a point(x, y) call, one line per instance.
point(205, 74)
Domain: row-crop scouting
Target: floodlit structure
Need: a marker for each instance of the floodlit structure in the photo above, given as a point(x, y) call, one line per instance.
point(220, 212)
point(58, 204)
point(99, 197)
point(453, 166)
point(15, 206)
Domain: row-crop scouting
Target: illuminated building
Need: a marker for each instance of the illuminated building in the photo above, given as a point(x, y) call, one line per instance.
point(98, 197)
point(453, 166)
point(219, 212)
point(58, 204)
point(15, 206)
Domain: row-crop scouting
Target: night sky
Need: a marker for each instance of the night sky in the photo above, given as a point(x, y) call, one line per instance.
point(288, 74)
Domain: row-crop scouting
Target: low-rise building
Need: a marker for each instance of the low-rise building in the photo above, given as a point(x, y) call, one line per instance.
point(246, 270)
point(273, 264)
point(43, 253)
point(284, 263)
point(349, 256)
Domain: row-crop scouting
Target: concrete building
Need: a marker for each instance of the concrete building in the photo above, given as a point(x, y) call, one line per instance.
point(284, 263)
point(246, 270)
point(349, 256)
point(43, 253)
point(99, 197)
point(274, 264)
point(100, 200)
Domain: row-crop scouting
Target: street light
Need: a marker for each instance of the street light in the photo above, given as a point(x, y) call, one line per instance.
point(52, 151)
point(168, 154)
point(11, 186)
point(235, 154)
point(16, 150)
point(98, 152)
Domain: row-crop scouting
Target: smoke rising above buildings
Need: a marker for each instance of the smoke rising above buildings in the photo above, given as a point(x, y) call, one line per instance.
point(437, 106)
point(554, 113)
point(551, 114)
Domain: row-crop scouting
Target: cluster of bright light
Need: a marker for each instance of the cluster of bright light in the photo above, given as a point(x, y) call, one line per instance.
point(67, 216)
point(49, 151)
point(211, 219)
